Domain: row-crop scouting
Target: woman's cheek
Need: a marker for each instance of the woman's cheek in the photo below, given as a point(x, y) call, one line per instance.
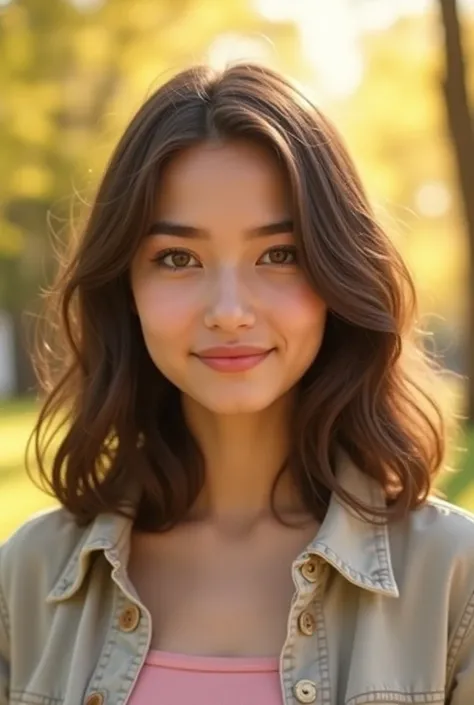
point(165, 302)
point(293, 295)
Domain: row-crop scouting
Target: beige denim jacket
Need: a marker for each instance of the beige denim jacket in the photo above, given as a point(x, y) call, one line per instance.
point(380, 615)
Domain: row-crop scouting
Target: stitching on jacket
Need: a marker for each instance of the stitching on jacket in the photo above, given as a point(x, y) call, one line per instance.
point(24, 696)
point(63, 581)
point(323, 653)
point(287, 658)
point(334, 560)
point(4, 613)
point(462, 631)
point(381, 540)
point(398, 698)
point(135, 666)
point(5, 617)
point(109, 645)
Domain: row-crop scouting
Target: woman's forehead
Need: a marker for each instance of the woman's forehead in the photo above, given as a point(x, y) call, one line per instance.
point(240, 180)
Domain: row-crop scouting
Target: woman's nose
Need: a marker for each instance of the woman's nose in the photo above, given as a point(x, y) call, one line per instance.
point(229, 307)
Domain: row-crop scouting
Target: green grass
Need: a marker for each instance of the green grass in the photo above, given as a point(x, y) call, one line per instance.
point(18, 495)
point(20, 498)
point(459, 485)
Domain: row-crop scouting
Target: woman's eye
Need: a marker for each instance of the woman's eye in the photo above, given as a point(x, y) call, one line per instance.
point(279, 256)
point(176, 259)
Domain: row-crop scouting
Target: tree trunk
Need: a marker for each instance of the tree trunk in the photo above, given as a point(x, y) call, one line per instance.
point(462, 135)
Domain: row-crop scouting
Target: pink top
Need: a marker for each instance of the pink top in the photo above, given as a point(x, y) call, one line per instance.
point(176, 679)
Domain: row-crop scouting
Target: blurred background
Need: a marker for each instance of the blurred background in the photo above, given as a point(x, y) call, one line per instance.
point(396, 76)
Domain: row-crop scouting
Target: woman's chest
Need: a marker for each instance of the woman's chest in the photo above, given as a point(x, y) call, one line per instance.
point(229, 602)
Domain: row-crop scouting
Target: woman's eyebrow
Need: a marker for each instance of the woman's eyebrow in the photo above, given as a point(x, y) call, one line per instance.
point(279, 228)
point(167, 227)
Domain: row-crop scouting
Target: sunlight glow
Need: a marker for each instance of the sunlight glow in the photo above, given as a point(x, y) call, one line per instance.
point(329, 40)
point(233, 47)
point(330, 31)
point(433, 199)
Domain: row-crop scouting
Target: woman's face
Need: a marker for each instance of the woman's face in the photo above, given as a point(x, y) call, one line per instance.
point(226, 312)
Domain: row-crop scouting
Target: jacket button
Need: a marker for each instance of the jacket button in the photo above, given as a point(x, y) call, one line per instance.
point(129, 619)
point(309, 570)
point(305, 691)
point(306, 623)
point(95, 699)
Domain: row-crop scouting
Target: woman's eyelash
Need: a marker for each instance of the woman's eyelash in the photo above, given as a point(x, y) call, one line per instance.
point(288, 252)
point(160, 258)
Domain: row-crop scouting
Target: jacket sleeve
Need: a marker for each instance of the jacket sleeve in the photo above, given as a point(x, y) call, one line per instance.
point(462, 689)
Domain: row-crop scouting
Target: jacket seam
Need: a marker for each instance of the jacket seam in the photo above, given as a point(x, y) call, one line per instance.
point(463, 630)
point(26, 696)
point(428, 696)
point(323, 652)
point(382, 550)
point(4, 616)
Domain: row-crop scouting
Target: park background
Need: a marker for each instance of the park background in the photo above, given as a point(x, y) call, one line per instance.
point(396, 76)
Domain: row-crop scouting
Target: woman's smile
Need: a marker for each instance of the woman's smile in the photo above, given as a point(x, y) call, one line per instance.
point(237, 358)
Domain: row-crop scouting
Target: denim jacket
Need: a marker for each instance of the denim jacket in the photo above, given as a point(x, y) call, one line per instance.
point(380, 614)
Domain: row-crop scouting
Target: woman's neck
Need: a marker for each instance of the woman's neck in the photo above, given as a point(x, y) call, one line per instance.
point(243, 454)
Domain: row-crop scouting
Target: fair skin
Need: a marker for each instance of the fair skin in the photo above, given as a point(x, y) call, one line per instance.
point(219, 268)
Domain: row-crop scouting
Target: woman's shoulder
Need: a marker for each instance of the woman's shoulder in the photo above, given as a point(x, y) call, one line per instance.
point(443, 525)
point(436, 544)
point(39, 547)
point(43, 526)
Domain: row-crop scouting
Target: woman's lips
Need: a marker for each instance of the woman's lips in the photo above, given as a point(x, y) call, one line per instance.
point(233, 359)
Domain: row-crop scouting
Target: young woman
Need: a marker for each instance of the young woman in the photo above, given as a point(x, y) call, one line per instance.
point(245, 461)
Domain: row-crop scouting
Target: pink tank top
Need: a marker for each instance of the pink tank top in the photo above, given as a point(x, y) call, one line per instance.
point(176, 679)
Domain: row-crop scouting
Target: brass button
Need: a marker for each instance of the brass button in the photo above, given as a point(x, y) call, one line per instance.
point(309, 570)
point(306, 623)
point(305, 691)
point(95, 699)
point(129, 619)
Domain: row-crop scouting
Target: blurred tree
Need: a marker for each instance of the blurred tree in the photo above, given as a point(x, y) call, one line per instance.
point(460, 122)
point(395, 127)
point(72, 72)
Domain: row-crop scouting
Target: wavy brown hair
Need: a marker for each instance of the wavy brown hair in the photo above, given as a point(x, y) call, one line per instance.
point(111, 415)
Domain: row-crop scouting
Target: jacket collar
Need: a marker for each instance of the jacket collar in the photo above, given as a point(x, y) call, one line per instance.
point(359, 551)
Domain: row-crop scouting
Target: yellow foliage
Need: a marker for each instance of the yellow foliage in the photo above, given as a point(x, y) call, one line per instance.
point(11, 240)
point(94, 44)
point(31, 181)
point(29, 121)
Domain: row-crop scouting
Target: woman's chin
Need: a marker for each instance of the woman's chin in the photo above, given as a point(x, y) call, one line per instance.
point(250, 403)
